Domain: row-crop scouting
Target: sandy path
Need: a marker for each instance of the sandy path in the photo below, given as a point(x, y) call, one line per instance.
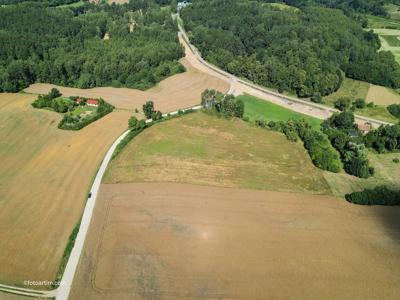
point(174, 241)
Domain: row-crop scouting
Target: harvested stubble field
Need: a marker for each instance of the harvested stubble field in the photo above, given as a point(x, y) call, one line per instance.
point(207, 150)
point(177, 241)
point(45, 175)
point(178, 91)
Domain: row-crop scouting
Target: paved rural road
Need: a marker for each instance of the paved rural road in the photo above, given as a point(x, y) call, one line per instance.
point(239, 86)
point(68, 276)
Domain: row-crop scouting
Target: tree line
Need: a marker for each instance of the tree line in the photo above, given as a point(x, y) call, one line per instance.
point(306, 51)
point(65, 47)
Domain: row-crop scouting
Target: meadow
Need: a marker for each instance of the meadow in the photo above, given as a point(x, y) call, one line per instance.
point(206, 150)
point(381, 97)
point(256, 108)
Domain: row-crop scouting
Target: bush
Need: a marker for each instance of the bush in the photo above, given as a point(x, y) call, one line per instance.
point(148, 109)
point(360, 103)
point(394, 109)
point(377, 196)
point(342, 104)
point(317, 98)
point(396, 160)
point(371, 105)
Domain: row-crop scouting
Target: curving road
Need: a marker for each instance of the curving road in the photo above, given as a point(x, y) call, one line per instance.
point(240, 86)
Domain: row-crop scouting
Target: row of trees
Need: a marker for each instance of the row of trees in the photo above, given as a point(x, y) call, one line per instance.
point(307, 51)
point(63, 47)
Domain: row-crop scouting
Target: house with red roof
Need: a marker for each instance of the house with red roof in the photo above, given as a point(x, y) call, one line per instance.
point(92, 102)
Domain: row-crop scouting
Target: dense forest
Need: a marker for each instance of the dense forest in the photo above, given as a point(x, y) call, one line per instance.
point(306, 51)
point(68, 47)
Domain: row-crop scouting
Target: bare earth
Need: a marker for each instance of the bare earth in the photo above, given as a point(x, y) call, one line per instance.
point(44, 178)
point(179, 91)
point(175, 241)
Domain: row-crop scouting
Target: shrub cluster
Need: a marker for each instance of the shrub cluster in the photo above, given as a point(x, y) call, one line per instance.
point(225, 105)
point(52, 100)
point(378, 196)
point(384, 139)
point(394, 109)
point(345, 136)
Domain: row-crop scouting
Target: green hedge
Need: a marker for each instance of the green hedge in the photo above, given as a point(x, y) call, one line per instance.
point(378, 196)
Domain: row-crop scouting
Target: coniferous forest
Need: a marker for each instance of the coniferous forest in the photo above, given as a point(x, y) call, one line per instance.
point(305, 50)
point(70, 47)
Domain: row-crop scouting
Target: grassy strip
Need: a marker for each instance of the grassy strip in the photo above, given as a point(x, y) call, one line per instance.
point(256, 109)
point(66, 254)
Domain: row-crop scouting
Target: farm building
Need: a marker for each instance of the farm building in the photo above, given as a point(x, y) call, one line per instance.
point(92, 102)
point(79, 100)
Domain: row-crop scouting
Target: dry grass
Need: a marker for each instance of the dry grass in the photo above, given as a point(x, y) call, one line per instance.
point(203, 149)
point(386, 173)
point(382, 96)
point(44, 179)
point(178, 91)
point(174, 241)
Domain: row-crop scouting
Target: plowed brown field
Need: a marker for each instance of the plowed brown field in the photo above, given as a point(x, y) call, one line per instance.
point(45, 175)
point(175, 241)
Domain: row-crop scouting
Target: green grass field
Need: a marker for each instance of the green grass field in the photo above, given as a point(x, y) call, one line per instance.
point(204, 149)
point(256, 108)
point(392, 40)
point(378, 112)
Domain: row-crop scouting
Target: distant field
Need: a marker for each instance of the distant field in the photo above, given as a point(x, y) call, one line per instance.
point(379, 22)
point(393, 10)
point(44, 179)
point(256, 108)
point(203, 149)
point(381, 96)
